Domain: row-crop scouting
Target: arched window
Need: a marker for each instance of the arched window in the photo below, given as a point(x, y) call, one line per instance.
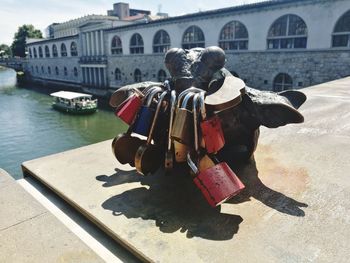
point(35, 54)
point(137, 75)
point(341, 34)
point(234, 36)
point(282, 82)
point(193, 37)
point(40, 52)
point(65, 71)
point(47, 52)
point(30, 53)
point(288, 31)
point(42, 70)
point(73, 49)
point(63, 50)
point(136, 44)
point(49, 70)
point(32, 69)
point(75, 72)
point(54, 51)
point(161, 75)
point(37, 69)
point(161, 42)
point(118, 74)
point(57, 71)
point(116, 47)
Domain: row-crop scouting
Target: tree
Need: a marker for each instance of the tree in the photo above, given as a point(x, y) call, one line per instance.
point(5, 51)
point(19, 41)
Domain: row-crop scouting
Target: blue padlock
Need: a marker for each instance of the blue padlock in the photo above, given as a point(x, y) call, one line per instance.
point(146, 113)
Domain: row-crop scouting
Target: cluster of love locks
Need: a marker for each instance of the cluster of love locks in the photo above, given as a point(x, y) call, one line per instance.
point(192, 117)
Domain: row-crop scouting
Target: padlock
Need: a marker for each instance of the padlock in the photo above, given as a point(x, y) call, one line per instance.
point(169, 155)
point(146, 113)
point(182, 130)
point(181, 151)
point(211, 129)
point(148, 156)
point(217, 183)
point(203, 160)
point(124, 147)
point(130, 107)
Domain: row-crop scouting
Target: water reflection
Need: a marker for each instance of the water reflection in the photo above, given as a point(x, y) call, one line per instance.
point(7, 78)
point(30, 128)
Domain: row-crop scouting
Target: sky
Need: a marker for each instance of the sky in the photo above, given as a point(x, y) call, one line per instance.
point(14, 13)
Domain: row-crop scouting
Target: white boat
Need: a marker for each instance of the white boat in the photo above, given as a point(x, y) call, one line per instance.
point(74, 102)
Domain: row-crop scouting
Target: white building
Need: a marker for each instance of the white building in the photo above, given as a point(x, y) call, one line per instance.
point(271, 45)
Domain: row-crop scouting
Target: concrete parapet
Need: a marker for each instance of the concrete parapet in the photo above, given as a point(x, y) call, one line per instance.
point(294, 208)
point(29, 233)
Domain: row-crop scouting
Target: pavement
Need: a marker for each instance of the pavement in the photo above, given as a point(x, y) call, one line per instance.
point(30, 233)
point(294, 208)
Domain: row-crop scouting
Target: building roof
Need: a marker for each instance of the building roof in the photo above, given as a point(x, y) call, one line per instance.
point(227, 10)
point(47, 40)
point(69, 95)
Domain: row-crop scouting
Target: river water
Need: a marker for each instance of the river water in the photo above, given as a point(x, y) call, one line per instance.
point(30, 128)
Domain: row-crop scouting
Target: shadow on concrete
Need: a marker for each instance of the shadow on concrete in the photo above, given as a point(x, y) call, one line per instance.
point(175, 203)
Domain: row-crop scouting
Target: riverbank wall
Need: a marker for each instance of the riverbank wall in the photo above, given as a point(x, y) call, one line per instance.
point(48, 86)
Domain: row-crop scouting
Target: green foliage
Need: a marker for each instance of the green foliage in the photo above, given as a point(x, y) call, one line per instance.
point(19, 42)
point(5, 51)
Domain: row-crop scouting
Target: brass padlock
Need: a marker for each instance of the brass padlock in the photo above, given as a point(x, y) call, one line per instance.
point(182, 130)
point(180, 148)
point(124, 147)
point(181, 151)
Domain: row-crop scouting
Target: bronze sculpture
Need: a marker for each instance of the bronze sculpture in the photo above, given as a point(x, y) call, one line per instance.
point(212, 104)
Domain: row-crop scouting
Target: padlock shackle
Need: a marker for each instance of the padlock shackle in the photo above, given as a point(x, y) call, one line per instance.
point(150, 96)
point(186, 99)
point(195, 121)
point(191, 164)
point(202, 105)
point(159, 105)
point(185, 92)
point(166, 84)
point(172, 111)
point(150, 89)
point(138, 93)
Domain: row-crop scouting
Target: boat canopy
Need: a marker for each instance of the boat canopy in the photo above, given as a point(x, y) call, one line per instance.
point(69, 95)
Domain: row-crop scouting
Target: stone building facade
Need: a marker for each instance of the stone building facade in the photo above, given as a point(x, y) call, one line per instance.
point(272, 45)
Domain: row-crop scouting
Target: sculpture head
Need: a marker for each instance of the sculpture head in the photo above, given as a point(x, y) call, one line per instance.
point(194, 67)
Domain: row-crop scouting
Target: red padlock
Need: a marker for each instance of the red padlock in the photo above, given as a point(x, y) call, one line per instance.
point(130, 107)
point(211, 128)
point(217, 183)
